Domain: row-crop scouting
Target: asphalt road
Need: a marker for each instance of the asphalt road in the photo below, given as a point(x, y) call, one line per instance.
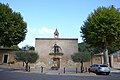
point(11, 75)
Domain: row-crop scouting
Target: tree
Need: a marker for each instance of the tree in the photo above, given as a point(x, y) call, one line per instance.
point(26, 57)
point(12, 26)
point(84, 47)
point(113, 50)
point(31, 48)
point(16, 47)
point(102, 29)
point(27, 47)
point(81, 57)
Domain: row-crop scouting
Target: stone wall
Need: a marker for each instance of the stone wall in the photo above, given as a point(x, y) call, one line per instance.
point(97, 59)
point(1, 56)
point(8, 52)
point(44, 46)
point(115, 60)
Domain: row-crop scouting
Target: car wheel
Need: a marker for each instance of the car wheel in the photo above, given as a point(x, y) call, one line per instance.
point(107, 73)
point(97, 73)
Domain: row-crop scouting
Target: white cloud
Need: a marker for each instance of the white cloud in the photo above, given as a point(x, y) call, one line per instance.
point(46, 30)
point(43, 30)
point(34, 33)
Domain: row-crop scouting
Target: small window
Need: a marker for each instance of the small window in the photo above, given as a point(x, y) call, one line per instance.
point(103, 66)
point(96, 65)
point(56, 49)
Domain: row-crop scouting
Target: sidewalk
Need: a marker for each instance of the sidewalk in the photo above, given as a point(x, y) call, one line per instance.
point(61, 72)
point(115, 70)
point(54, 72)
point(51, 72)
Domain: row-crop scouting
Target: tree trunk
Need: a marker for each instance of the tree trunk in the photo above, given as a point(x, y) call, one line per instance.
point(26, 66)
point(81, 66)
point(91, 59)
point(23, 63)
point(105, 56)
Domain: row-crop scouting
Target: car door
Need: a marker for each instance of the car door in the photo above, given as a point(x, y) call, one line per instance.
point(92, 68)
point(96, 68)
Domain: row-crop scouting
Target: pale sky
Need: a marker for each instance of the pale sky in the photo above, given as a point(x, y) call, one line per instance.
point(44, 16)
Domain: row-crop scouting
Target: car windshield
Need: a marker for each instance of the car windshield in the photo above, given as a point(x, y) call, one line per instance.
point(103, 66)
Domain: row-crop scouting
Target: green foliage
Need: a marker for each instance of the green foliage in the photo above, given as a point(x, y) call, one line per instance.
point(15, 47)
point(31, 48)
point(81, 56)
point(12, 27)
point(27, 57)
point(27, 47)
point(84, 47)
point(102, 28)
point(112, 50)
point(11, 62)
point(84, 54)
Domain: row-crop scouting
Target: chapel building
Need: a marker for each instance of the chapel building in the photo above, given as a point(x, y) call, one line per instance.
point(56, 52)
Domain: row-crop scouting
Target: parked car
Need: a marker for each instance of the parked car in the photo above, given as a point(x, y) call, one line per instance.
point(99, 68)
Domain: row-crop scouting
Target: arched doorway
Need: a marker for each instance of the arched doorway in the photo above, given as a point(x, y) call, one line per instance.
point(56, 63)
point(56, 54)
